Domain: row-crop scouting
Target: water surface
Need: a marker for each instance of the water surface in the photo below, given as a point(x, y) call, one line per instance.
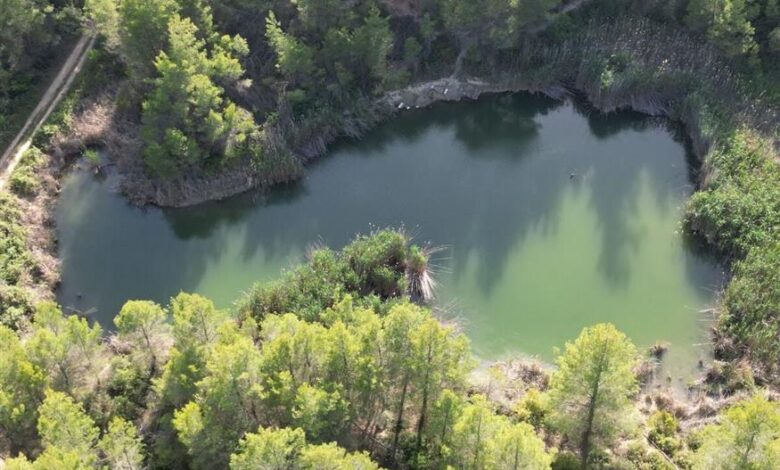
point(553, 218)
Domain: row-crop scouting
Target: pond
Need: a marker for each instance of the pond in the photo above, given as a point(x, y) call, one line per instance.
point(552, 218)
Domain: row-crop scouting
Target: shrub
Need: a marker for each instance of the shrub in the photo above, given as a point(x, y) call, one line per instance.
point(16, 305)
point(24, 180)
point(740, 208)
point(751, 319)
point(663, 432)
point(15, 259)
point(533, 408)
point(566, 461)
point(371, 267)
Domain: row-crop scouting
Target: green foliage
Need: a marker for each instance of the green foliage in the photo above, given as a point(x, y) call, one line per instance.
point(24, 180)
point(186, 120)
point(590, 393)
point(488, 23)
point(752, 309)
point(15, 258)
point(92, 157)
point(639, 455)
point(121, 447)
point(325, 378)
point(739, 212)
point(322, 15)
point(21, 390)
point(20, 18)
point(747, 438)
point(105, 16)
point(533, 408)
point(30, 37)
point(566, 461)
point(143, 324)
point(269, 449)
point(332, 456)
point(64, 425)
point(227, 403)
point(16, 305)
point(295, 60)
point(70, 440)
point(481, 439)
point(726, 23)
point(66, 348)
point(127, 388)
point(195, 331)
point(774, 41)
point(285, 448)
point(370, 266)
point(349, 50)
point(662, 432)
point(142, 31)
point(51, 458)
point(740, 208)
point(535, 12)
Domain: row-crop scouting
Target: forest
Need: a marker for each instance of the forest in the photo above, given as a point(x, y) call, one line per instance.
point(342, 363)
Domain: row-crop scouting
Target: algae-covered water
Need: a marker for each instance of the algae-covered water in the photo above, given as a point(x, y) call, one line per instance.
point(552, 217)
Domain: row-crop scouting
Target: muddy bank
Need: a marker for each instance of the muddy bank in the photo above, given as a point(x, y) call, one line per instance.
point(34, 188)
point(28, 231)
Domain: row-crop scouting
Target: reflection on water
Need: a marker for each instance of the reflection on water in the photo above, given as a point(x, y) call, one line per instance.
point(554, 218)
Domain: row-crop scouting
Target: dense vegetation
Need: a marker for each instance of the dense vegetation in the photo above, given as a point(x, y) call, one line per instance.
point(310, 62)
point(362, 380)
point(34, 35)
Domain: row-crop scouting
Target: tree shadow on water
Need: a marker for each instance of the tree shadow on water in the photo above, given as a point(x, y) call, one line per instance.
point(203, 220)
point(626, 154)
point(502, 178)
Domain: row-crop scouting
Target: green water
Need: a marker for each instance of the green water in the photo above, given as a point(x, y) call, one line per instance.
point(553, 218)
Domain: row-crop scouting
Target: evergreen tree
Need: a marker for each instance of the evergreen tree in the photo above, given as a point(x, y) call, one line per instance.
point(63, 425)
point(121, 446)
point(226, 405)
point(66, 348)
point(186, 120)
point(294, 59)
point(590, 393)
point(21, 391)
point(726, 23)
point(143, 324)
point(143, 27)
point(747, 438)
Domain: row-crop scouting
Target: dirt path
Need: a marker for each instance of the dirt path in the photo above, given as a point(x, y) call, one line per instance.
point(58, 88)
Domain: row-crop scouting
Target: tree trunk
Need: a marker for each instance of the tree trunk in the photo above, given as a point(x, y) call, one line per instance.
point(461, 58)
point(399, 417)
point(479, 442)
point(586, 436)
point(153, 366)
point(424, 407)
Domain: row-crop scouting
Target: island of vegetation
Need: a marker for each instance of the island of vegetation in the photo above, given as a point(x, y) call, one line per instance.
point(341, 364)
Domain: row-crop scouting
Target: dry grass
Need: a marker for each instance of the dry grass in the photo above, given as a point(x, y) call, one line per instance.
point(506, 382)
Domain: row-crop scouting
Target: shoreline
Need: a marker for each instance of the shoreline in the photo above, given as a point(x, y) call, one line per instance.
point(449, 89)
point(105, 127)
point(198, 189)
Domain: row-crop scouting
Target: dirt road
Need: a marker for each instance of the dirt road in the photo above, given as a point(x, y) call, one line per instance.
point(58, 88)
